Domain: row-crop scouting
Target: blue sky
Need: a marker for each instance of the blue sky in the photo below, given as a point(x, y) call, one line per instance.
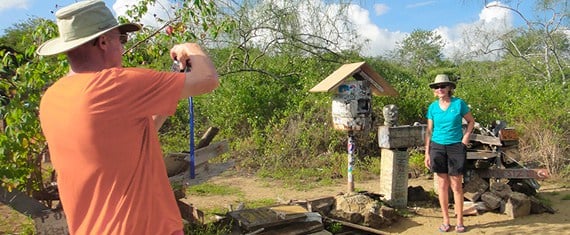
point(382, 22)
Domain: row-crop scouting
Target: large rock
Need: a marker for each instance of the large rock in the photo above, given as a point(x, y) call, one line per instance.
point(518, 205)
point(492, 201)
point(362, 209)
point(501, 189)
point(473, 189)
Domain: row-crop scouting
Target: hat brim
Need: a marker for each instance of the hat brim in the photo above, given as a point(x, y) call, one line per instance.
point(58, 45)
point(431, 85)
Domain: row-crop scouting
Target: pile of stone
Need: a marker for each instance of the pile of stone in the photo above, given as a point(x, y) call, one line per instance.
point(502, 197)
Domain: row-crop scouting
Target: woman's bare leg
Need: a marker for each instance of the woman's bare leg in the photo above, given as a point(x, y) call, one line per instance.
point(443, 195)
point(457, 188)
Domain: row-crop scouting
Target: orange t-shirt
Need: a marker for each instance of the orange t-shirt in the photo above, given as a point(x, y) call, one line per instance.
point(104, 147)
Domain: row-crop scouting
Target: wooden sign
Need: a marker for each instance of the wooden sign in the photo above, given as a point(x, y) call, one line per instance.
point(51, 222)
point(518, 173)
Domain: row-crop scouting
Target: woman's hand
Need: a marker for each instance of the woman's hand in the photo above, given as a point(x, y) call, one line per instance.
point(427, 161)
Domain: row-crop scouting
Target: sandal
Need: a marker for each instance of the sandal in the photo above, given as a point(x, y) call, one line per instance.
point(460, 229)
point(444, 228)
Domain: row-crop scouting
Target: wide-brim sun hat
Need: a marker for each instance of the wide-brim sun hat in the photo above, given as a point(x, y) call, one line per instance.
point(82, 22)
point(442, 79)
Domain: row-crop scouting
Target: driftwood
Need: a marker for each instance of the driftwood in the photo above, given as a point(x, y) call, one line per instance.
point(207, 137)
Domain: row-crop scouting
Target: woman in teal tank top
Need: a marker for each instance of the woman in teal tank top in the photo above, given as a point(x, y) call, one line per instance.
point(445, 146)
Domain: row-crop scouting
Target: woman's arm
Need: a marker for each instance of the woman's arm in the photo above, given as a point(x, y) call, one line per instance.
point(427, 140)
point(470, 124)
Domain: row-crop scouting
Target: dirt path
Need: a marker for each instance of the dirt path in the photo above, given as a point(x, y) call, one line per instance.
point(425, 221)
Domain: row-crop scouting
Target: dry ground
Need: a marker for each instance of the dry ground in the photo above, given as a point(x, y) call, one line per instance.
point(424, 221)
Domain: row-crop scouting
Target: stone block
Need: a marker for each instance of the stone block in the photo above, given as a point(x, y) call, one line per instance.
point(473, 189)
point(518, 205)
point(501, 189)
point(401, 136)
point(394, 177)
point(492, 201)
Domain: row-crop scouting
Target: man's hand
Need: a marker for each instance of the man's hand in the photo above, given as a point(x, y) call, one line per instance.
point(184, 52)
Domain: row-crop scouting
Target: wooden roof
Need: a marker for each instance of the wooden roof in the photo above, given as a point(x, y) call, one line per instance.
point(379, 87)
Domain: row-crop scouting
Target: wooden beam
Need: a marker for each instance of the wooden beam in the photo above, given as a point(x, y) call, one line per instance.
point(207, 137)
point(21, 202)
point(204, 154)
point(519, 173)
point(356, 226)
point(481, 155)
point(486, 139)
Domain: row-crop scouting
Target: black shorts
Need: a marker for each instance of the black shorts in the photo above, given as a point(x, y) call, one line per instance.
point(448, 159)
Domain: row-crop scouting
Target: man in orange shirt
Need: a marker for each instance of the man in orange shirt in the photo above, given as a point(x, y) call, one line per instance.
point(101, 123)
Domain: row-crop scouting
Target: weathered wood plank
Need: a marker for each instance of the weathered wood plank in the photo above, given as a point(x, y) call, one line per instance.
point(177, 163)
point(211, 151)
point(485, 139)
point(207, 137)
point(481, 155)
point(253, 219)
point(46, 220)
point(51, 222)
point(21, 202)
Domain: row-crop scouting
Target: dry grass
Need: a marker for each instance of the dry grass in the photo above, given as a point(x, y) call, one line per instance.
point(549, 148)
point(12, 222)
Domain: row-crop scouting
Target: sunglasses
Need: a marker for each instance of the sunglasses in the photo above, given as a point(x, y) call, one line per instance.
point(123, 38)
point(439, 87)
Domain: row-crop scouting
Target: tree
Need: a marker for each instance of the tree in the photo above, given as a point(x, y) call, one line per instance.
point(25, 76)
point(421, 50)
point(543, 44)
point(297, 28)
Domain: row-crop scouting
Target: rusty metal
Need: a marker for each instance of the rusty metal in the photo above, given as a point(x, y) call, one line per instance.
point(508, 134)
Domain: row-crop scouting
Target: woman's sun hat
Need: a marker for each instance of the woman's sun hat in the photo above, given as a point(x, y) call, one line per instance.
point(442, 79)
point(82, 22)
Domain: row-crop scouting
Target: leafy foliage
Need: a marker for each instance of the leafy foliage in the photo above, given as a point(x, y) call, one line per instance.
point(421, 50)
point(24, 77)
point(275, 127)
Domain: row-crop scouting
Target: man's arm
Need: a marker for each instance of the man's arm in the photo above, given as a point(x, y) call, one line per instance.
point(159, 120)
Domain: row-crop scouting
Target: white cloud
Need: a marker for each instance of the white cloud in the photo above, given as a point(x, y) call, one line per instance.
point(380, 9)
point(420, 4)
point(469, 40)
point(460, 39)
point(12, 4)
point(378, 41)
point(495, 12)
point(463, 40)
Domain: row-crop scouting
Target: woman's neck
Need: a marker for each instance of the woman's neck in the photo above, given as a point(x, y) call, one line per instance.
point(445, 99)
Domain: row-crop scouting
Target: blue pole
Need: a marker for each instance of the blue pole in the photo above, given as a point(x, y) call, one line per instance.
point(191, 114)
point(176, 67)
